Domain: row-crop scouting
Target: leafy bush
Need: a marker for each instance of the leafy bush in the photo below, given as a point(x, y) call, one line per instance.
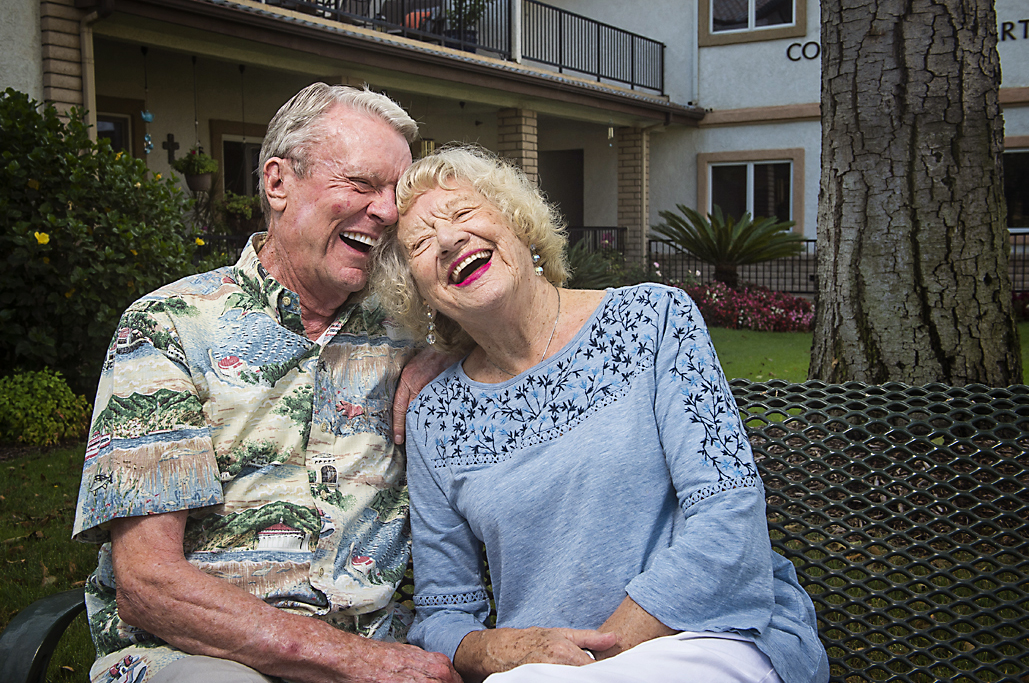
point(84, 231)
point(726, 243)
point(39, 409)
point(593, 269)
point(751, 308)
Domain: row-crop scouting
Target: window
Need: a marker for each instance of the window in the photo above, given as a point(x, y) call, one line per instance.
point(747, 15)
point(724, 22)
point(761, 189)
point(117, 129)
point(1016, 188)
point(241, 160)
point(764, 183)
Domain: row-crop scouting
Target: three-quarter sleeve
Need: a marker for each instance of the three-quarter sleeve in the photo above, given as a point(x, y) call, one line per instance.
point(716, 575)
point(450, 595)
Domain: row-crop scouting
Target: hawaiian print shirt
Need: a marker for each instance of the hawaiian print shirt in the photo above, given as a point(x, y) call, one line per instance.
point(213, 400)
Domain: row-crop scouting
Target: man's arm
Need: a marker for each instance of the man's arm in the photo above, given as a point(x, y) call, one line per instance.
point(418, 372)
point(159, 591)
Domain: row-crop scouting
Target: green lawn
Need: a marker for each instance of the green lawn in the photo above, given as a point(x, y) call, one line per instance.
point(785, 355)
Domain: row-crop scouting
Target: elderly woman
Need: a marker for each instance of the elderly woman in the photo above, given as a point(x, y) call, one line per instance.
point(589, 441)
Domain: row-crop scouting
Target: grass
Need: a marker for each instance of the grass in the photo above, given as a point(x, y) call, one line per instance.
point(38, 492)
point(37, 508)
point(786, 355)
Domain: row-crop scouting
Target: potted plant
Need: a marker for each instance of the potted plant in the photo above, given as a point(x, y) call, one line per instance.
point(463, 21)
point(240, 214)
point(198, 168)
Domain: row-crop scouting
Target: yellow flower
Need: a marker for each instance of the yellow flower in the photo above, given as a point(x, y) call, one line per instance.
point(42, 237)
point(200, 242)
point(46, 259)
point(118, 156)
point(34, 184)
point(133, 252)
point(157, 177)
point(138, 185)
point(69, 293)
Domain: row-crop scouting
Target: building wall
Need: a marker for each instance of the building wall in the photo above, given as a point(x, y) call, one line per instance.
point(21, 61)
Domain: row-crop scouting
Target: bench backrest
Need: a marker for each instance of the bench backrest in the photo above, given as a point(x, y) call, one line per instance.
point(906, 513)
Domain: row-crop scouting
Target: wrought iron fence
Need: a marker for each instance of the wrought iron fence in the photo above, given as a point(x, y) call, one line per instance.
point(227, 247)
point(1018, 264)
point(798, 274)
point(794, 274)
point(550, 35)
point(598, 238)
point(566, 40)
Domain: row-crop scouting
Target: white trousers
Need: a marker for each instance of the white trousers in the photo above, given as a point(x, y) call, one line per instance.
point(680, 658)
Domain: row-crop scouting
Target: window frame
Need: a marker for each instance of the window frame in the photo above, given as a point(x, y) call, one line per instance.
point(220, 129)
point(708, 38)
point(1014, 144)
point(795, 156)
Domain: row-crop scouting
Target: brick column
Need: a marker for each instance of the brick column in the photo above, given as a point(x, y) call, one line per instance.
point(62, 54)
point(634, 191)
point(516, 140)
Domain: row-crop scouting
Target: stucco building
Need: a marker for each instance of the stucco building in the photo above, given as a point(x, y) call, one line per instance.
point(621, 109)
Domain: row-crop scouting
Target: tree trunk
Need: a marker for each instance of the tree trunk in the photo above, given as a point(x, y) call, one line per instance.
point(912, 237)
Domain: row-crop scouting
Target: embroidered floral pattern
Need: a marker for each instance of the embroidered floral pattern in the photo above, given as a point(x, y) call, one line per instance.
point(479, 427)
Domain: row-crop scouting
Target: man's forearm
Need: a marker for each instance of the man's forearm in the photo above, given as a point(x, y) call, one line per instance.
point(201, 614)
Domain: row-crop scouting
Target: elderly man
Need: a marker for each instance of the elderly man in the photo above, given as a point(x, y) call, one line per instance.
point(241, 459)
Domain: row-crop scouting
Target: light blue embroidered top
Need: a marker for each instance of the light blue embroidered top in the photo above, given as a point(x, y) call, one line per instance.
point(617, 466)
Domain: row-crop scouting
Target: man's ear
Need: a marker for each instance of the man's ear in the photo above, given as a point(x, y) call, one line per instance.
point(276, 175)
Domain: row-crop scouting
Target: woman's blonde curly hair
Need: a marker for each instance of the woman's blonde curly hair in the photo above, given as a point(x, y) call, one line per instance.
point(502, 184)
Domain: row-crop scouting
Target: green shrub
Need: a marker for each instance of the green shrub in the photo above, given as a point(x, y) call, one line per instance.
point(39, 409)
point(726, 243)
point(84, 231)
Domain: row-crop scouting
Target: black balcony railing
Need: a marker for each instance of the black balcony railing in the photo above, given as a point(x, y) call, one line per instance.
point(598, 239)
point(572, 42)
point(552, 36)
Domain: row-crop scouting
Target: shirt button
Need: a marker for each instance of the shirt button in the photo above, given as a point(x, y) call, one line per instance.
point(286, 301)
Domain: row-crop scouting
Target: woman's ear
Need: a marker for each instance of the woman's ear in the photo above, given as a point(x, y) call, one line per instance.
point(277, 173)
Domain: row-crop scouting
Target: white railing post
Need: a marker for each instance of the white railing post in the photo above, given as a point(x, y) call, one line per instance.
point(516, 31)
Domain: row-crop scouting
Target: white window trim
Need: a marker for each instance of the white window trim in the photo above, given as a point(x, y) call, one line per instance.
point(708, 38)
point(705, 160)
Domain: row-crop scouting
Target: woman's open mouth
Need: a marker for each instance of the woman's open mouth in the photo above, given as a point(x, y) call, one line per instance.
point(468, 269)
point(358, 241)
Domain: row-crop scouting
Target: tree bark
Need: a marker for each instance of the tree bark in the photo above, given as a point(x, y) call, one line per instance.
point(912, 238)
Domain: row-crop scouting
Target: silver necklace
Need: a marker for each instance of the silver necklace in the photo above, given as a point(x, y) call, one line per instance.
point(552, 332)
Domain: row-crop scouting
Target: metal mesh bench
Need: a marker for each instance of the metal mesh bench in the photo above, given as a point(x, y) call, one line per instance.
point(904, 509)
point(905, 512)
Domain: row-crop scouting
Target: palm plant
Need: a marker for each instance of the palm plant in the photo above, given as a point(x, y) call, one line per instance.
point(726, 243)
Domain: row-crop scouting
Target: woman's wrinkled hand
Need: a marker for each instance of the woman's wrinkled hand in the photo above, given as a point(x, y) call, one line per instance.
point(482, 653)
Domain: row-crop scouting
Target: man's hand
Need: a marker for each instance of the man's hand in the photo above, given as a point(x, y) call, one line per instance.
point(482, 653)
point(418, 372)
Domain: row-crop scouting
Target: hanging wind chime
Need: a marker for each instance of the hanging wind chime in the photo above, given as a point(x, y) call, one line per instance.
point(199, 180)
point(148, 142)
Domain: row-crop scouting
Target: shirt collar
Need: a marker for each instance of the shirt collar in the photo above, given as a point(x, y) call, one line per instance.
point(275, 300)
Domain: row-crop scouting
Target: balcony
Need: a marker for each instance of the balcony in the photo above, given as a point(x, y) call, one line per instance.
point(524, 31)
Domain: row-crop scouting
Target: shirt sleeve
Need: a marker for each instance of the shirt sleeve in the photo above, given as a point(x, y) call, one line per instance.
point(450, 596)
point(717, 573)
point(149, 449)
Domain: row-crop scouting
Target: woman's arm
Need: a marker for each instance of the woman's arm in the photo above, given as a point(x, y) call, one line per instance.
point(632, 625)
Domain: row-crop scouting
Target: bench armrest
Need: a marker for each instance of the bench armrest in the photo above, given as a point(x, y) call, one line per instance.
point(30, 638)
